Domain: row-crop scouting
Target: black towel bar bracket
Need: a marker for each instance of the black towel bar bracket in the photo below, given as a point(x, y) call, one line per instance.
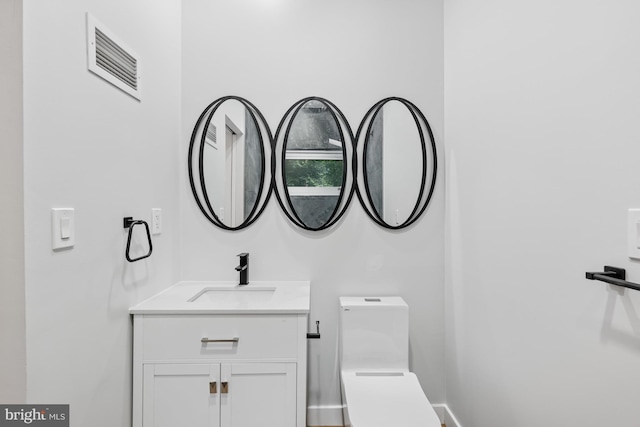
point(314, 335)
point(130, 223)
point(614, 276)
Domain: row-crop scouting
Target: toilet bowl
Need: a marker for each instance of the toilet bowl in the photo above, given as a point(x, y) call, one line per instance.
point(377, 388)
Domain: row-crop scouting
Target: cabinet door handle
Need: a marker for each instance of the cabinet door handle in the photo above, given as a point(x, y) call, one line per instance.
point(206, 340)
point(213, 387)
point(224, 387)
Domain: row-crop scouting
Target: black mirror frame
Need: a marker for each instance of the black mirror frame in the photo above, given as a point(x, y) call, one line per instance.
point(265, 184)
point(362, 142)
point(353, 151)
point(348, 155)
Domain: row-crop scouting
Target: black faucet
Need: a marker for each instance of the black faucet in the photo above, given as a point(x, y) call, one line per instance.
point(243, 268)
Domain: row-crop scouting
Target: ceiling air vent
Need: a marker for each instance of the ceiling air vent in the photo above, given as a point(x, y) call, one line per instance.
point(111, 59)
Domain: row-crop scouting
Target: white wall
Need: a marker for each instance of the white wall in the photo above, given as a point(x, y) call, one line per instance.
point(352, 53)
point(542, 100)
point(89, 146)
point(12, 305)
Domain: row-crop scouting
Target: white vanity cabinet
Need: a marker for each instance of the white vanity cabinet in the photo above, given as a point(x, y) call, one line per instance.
point(227, 394)
point(217, 368)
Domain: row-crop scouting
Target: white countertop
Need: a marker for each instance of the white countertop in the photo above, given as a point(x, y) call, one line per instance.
point(258, 297)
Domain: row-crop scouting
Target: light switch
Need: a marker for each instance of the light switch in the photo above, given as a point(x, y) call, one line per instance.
point(65, 228)
point(633, 233)
point(62, 228)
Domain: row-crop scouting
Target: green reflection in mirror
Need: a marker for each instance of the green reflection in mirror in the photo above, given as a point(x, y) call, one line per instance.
point(313, 173)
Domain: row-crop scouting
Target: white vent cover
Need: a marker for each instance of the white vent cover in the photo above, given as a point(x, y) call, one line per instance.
point(111, 59)
point(212, 138)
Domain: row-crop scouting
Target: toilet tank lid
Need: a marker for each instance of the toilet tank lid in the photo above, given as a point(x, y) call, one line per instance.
point(372, 301)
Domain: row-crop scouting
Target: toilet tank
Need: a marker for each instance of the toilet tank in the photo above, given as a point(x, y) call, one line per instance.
point(374, 334)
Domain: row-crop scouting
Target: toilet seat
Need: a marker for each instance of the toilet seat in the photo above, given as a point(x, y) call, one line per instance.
point(379, 399)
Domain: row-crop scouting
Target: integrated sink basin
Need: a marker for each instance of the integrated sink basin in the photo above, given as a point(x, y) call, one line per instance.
point(229, 297)
point(238, 295)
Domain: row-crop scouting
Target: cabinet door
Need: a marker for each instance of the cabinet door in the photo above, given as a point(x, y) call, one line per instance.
point(259, 394)
point(178, 395)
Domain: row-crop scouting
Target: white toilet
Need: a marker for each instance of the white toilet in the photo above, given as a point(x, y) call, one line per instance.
point(377, 388)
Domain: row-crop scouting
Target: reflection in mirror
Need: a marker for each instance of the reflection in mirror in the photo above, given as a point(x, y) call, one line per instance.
point(314, 185)
point(230, 163)
point(398, 173)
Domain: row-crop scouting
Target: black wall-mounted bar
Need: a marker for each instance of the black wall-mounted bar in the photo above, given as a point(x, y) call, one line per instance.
point(314, 335)
point(130, 223)
point(613, 275)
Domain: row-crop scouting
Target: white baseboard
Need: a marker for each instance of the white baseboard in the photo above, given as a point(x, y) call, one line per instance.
point(331, 415)
point(445, 415)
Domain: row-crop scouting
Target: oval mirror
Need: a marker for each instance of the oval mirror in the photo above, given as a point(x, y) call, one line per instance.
point(397, 154)
point(230, 163)
point(314, 183)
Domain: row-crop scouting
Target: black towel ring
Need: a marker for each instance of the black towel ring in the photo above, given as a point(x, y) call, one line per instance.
point(130, 223)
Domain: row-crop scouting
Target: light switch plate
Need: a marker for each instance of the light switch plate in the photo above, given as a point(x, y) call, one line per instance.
point(63, 228)
point(633, 233)
point(156, 221)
